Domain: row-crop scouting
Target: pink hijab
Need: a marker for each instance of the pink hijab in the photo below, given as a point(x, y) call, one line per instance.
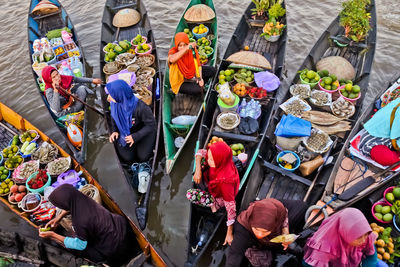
point(330, 245)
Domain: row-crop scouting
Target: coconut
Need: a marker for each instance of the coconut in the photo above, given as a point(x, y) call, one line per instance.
point(339, 66)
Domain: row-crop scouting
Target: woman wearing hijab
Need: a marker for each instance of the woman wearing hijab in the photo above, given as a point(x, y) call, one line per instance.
point(256, 226)
point(133, 123)
point(182, 69)
point(222, 179)
point(56, 85)
point(345, 239)
point(98, 234)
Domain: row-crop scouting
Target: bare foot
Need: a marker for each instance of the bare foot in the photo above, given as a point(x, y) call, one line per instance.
point(213, 208)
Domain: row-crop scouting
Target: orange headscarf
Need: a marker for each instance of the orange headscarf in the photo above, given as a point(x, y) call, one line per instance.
point(185, 63)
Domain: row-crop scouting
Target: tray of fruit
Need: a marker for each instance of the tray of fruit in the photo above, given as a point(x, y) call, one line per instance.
point(74, 53)
point(17, 193)
point(139, 39)
point(386, 245)
point(15, 140)
point(207, 50)
point(214, 139)
point(38, 181)
point(5, 187)
point(30, 135)
point(143, 49)
point(28, 148)
point(226, 76)
point(244, 76)
point(10, 151)
point(200, 31)
point(309, 77)
point(240, 89)
point(237, 149)
point(349, 91)
point(13, 162)
point(257, 93)
point(4, 173)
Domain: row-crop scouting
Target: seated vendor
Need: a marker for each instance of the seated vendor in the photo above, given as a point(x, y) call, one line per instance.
point(99, 235)
point(59, 87)
point(256, 226)
point(182, 69)
point(133, 123)
point(343, 239)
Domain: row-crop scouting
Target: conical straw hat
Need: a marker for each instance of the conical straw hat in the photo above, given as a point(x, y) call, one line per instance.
point(126, 17)
point(199, 13)
point(250, 58)
point(44, 7)
point(339, 66)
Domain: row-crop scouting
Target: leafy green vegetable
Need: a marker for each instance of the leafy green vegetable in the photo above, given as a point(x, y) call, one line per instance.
point(276, 11)
point(355, 19)
point(56, 33)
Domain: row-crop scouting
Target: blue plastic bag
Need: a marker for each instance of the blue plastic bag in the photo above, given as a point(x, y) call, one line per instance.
point(291, 126)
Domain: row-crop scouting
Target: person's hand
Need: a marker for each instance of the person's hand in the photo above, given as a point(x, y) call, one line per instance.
point(193, 44)
point(114, 136)
point(201, 82)
point(129, 140)
point(55, 86)
point(53, 223)
point(228, 239)
point(197, 177)
point(48, 234)
point(97, 81)
point(285, 245)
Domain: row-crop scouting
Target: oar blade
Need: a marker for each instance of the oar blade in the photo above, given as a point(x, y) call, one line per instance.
point(141, 215)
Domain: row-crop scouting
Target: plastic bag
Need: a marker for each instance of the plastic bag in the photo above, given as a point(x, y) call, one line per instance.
point(184, 120)
point(74, 118)
point(69, 177)
point(226, 95)
point(267, 80)
point(125, 75)
point(291, 126)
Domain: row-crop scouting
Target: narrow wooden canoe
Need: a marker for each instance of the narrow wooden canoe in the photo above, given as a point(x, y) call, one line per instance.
point(244, 35)
point(37, 28)
point(109, 34)
point(269, 180)
point(172, 131)
point(337, 183)
point(11, 122)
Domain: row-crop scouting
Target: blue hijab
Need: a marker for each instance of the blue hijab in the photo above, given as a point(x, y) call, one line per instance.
point(122, 111)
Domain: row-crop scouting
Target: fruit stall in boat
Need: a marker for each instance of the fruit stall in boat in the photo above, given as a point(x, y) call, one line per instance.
point(30, 170)
point(129, 53)
point(249, 76)
point(53, 41)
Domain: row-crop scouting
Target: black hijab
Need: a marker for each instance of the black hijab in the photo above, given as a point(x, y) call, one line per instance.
point(104, 231)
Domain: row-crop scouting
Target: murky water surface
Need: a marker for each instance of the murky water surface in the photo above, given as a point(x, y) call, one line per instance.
point(169, 211)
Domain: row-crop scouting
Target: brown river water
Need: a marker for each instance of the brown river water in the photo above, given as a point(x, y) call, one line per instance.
point(169, 211)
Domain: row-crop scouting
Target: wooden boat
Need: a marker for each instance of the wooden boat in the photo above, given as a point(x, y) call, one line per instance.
point(11, 123)
point(245, 35)
point(109, 34)
point(194, 105)
point(270, 180)
point(339, 181)
point(38, 26)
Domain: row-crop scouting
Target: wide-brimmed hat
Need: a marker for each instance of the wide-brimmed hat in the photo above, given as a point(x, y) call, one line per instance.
point(126, 17)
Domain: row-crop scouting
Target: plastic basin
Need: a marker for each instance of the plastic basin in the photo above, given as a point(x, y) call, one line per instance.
point(383, 203)
point(39, 190)
point(224, 107)
point(198, 36)
point(281, 154)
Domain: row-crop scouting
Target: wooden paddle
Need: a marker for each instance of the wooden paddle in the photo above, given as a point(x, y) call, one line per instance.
point(79, 100)
point(198, 75)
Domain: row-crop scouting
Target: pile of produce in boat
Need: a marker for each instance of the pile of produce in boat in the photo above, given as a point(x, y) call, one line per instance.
point(5, 187)
point(114, 49)
point(17, 193)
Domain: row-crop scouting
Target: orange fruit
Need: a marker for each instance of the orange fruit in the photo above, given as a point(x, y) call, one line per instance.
point(379, 256)
point(376, 233)
point(380, 243)
point(390, 250)
point(246, 48)
point(386, 256)
point(390, 245)
point(380, 250)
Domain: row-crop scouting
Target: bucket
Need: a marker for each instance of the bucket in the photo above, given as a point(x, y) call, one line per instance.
point(225, 108)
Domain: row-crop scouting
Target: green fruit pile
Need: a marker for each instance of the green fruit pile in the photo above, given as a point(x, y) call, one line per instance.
point(309, 76)
point(329, 81)
point(15, 140)
point(349, 90)
point(10, 151)
point(5, 186)
point(383, 213)
point(244, 76)
point(237, 149)
point(143, 48)
point(203, 41)
point(13, 162)
point(138, 40)
point(28, 136)
point(205, 49)
point(112, 50)
point(226, 76)
point(189, 33)
point(3, 173)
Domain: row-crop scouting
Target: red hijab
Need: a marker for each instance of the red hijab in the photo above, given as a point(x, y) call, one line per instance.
point(185, 63)
point(223, 179)
point(268, 214)
point(66, 81)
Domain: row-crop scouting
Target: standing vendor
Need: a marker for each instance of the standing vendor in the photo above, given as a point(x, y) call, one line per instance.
point(99, 235)
point(58, 87)
point(182, 68)
point(133, 123)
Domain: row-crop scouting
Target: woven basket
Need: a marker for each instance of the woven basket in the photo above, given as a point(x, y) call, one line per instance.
point(147, 71)
point(113, 65)
point(140, 58)
point(92, 192)
point(144, 94)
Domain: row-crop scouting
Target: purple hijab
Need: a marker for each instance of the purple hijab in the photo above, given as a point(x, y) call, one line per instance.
point(330, 245)
point(122, 111)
